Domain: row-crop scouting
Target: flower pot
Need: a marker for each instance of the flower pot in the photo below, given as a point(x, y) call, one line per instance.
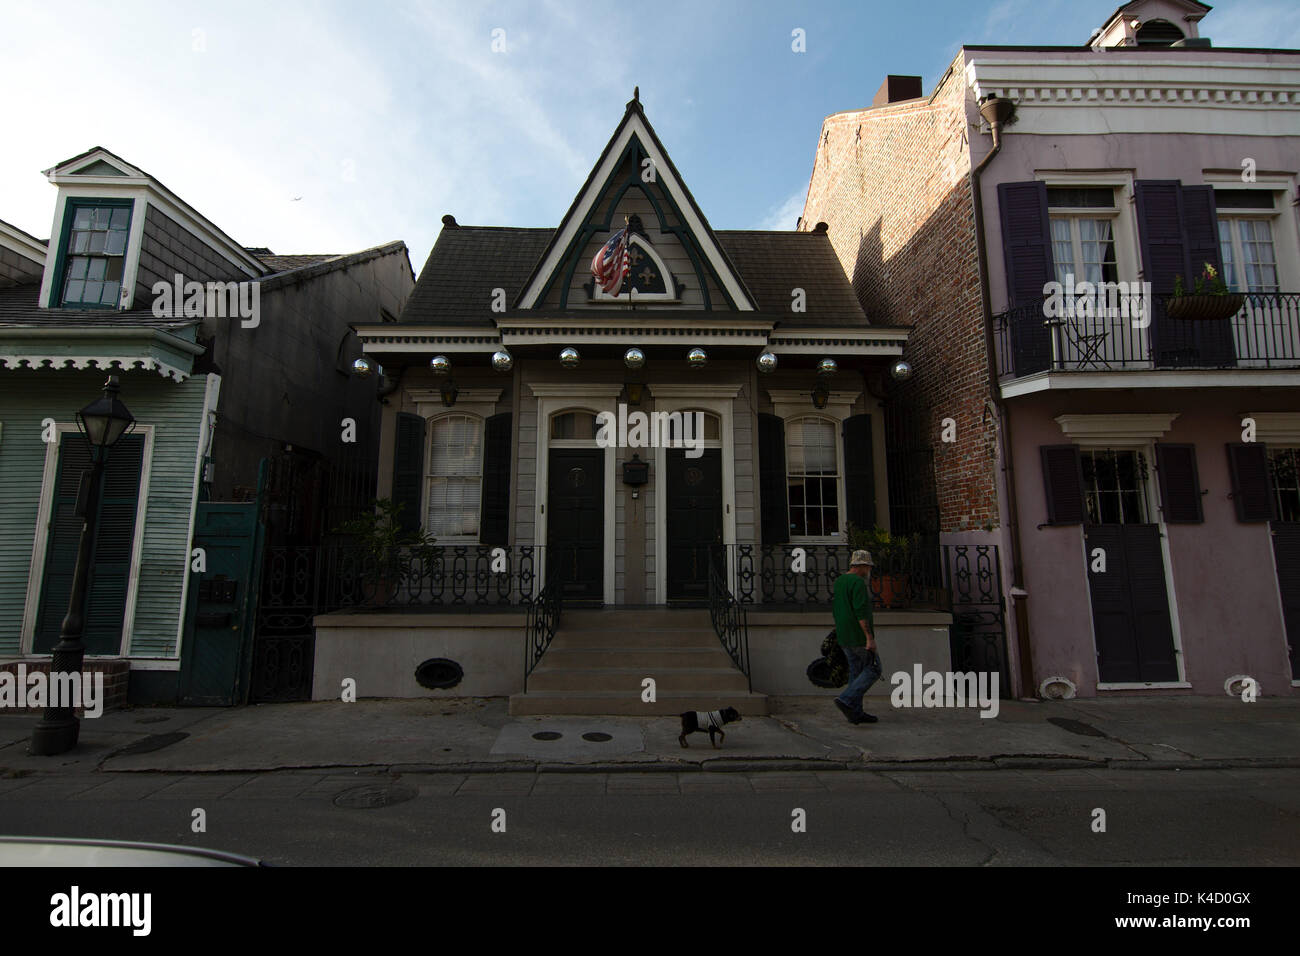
point(1204, 308)
point(893, 590)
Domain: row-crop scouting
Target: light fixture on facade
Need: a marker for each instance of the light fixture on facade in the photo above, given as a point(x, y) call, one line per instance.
point(569, 358)
point(696, 358)
point(821, 393)
point(363, 367)
point(449, 391)
point(634, 393)
point(440, 364)
point(502, 361)
point(901, 371)
point(827, 366)
point(634, 359)
point(766, 362)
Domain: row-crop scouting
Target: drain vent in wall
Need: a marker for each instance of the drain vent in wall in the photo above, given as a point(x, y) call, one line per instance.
point(439, 673)
point(547, 735)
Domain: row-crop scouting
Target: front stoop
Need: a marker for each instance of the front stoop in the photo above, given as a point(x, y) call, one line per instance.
point(598, 659)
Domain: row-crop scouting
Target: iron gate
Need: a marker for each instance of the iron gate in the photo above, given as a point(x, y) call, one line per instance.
point(978, 638)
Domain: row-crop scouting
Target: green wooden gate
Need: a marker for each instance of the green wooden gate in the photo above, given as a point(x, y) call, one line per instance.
point(222, 604)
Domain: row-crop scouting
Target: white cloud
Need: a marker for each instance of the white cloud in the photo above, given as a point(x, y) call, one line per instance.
point(783, 216)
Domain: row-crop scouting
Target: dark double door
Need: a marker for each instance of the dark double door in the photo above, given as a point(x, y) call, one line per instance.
point(575, 524)
point(1130, 605)
point(1286, 552)
point(693, 528)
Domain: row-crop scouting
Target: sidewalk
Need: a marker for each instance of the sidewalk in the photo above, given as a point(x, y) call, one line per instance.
point(471, 735)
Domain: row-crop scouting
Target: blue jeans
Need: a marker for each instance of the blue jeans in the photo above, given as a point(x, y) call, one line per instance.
point(864, 670)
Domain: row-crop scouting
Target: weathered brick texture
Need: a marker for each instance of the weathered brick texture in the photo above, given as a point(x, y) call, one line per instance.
point(893, 185)
point(116, 674)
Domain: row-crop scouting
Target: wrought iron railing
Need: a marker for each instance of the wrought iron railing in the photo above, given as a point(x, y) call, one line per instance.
point(728, 618)
point(543, 618)
point(300, 582)
point(1128, 333)
point(804, 575)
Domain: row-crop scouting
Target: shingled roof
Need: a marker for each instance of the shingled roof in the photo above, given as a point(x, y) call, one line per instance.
point(19, 308)
point(455, 287)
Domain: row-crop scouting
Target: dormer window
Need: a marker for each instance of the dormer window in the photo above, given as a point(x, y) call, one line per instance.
point(93, 253)
point(1158, 33)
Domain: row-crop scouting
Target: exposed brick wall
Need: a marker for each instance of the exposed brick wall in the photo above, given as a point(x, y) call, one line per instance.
point(116, 674)
point(893, 185)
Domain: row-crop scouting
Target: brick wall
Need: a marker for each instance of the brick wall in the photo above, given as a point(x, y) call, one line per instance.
point(893, 185)
point(116, 674)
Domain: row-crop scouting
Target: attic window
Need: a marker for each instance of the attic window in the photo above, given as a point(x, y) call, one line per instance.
point(1158, 33)
point(648, 275)
point(93, 254)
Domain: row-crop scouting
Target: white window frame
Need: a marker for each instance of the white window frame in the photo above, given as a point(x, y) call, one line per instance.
point(1231, 218)
point(1285, 220)
point(835, 537)
point(671, 294)
point(36, 571)
point(429, 476)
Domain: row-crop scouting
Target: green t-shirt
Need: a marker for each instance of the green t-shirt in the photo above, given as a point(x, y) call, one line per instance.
point(852, 604)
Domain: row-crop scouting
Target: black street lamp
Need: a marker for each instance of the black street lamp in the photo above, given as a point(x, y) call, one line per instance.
point(103, 422)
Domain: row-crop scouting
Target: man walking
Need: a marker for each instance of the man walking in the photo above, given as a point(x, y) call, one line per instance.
point(854, 632)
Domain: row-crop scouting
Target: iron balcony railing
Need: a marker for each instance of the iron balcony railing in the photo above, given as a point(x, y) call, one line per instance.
point(727, 615)
point(543, 619)
point(1127, 333)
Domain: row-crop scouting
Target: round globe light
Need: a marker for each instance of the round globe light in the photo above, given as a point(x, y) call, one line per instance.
point(569, 358)
point(502, 361)
point(827, 366)
point(362, 368)
point(440, 364)
point(767, 362)
point(901, 371)
point(696, 358)
point(634, 358)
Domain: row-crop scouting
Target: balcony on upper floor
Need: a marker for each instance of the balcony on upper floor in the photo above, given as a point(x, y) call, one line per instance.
point(1040, 346)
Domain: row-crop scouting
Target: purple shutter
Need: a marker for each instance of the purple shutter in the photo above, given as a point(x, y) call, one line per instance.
point(1180, 487)
point(1248, 466)
point(1213, 340)
point(1063, 483)
point(1160, 219)
point(1027, 248)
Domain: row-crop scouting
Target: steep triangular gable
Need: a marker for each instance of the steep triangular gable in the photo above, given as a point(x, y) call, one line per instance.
point(591, 218)
point(96, 162)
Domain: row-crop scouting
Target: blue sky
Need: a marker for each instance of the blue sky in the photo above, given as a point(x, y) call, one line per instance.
point(383, 116)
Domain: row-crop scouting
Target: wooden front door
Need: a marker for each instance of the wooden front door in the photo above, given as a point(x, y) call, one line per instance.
point(1286, 551)
point(1126, 571)
point(694, 521)
point(575, 523)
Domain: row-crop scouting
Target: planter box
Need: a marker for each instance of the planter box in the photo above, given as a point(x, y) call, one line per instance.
point(1204, 308)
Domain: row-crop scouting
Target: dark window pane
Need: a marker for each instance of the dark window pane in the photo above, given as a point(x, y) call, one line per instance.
point(1079, 197)
point(1243, 199)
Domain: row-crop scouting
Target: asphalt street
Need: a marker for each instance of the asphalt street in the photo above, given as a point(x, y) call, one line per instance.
point(995, 817)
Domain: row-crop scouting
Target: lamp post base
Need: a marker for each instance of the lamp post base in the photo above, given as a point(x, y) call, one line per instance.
point(54, 734)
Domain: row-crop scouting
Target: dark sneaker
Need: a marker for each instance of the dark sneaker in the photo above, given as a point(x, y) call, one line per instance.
point(847, 711)
point(865, 718)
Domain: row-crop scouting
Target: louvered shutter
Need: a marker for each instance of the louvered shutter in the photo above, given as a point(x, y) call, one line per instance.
point(859, 476)
point(1063, 484)
point(772, 490)
point(1213, 340)
point(1180, 488)
point(494, 523)
point(408, 469)
point(1027, 248)
point(1248, 467)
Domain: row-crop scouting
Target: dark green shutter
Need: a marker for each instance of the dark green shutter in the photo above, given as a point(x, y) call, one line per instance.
point(1248, 466)
point(408, 469)
point(775, 519)
point(1063, 484)
point(110, 574)
point(494, 520)
point(1180, 488)
point(859, 474)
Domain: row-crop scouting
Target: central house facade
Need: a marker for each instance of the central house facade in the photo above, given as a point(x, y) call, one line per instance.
point(742, 384)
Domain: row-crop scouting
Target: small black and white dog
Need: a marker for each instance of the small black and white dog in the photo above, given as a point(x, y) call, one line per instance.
point(710, 720)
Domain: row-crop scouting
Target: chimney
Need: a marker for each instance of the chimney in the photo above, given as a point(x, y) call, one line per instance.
point(897, 88)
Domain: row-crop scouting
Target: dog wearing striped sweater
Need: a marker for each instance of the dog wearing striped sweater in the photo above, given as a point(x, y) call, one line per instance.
point(707, 720)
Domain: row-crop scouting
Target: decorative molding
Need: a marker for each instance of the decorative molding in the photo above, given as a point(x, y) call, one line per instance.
point(470, 400)
point(105, 363)
point(694, 391)
point(797, 403)
point(1276, 428)
point(576, 390)
point(1122, 427)
point(1201, 378)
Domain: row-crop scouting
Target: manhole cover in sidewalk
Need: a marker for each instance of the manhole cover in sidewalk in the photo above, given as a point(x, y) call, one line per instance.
point(547, 735)
point(153, 719)
point(596, 737)
point(151, 743)
point(370, 797)
point(1076, 727)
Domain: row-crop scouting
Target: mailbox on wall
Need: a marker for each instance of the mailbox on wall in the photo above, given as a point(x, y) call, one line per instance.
point(636, 471)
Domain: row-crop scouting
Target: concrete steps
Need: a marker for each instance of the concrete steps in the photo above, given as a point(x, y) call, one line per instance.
point(598, 659)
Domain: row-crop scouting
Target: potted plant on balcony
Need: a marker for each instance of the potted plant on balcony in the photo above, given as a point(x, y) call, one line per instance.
point(892, 556)
point(1209, 300)
point(380, 542)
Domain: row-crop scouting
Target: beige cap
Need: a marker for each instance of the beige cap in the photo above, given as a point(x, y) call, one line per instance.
point(860, 557)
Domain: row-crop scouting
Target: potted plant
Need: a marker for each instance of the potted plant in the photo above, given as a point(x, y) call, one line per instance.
point(1209, 300)
point(892, 556)
point(380, 542)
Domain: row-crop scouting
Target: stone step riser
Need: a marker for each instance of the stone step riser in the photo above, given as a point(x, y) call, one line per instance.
point(635, 638)
point(622, 621)
point(534, 705)
point(670, 682)
point(638, 658)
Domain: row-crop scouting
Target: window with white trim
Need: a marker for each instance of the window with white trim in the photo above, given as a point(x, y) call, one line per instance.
point(812, 477)
point(1082, 221)
point(1246, 239)
point(1114, 485)
point(454, 479)
point(1284, 481)
point(94, 253)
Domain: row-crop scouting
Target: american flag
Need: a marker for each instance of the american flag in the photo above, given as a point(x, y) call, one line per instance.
point(610, 265)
